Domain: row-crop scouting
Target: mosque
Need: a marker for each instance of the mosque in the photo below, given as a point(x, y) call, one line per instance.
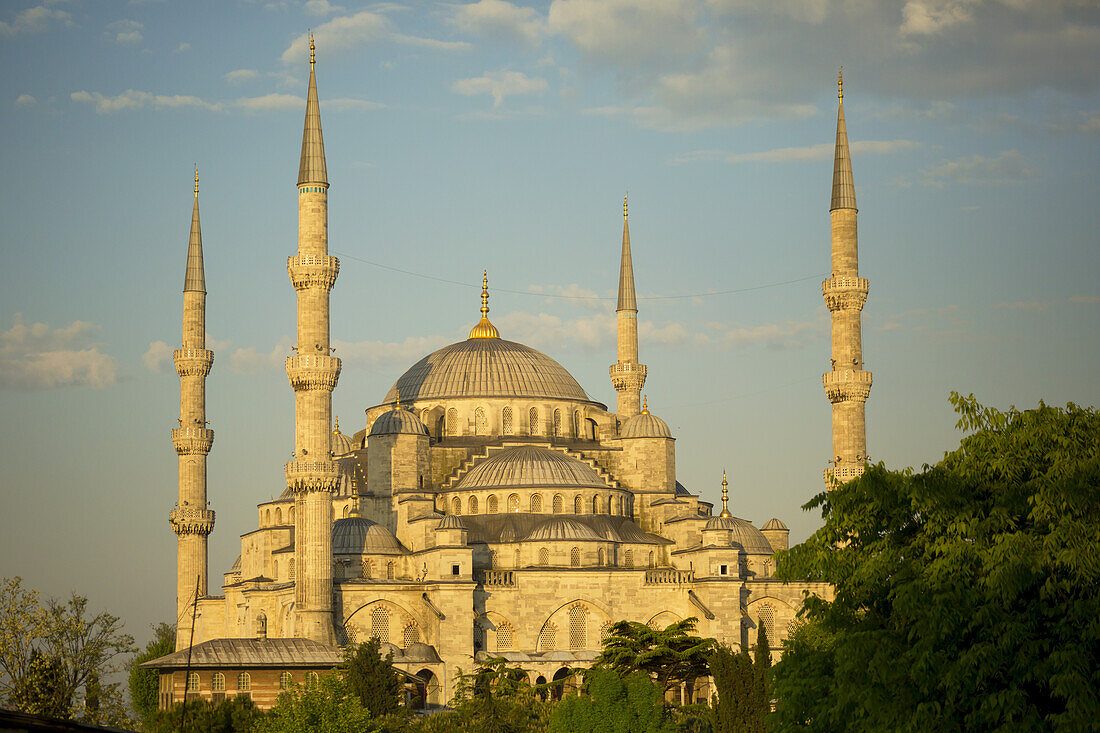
point(488, 506)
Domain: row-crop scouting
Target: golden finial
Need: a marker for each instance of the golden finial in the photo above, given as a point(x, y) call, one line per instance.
point(196, 179)
point(624, 205)
point(645, 404)
point(484, 293)
point(725, 496)
point(312, 49)
point(354, 506)
point(336, 426)
point(484, 329)
point(840, 83)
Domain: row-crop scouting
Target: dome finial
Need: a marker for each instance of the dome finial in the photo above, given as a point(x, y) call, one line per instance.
point(312, 50)
point(196, 180)
point(484, 329)
point(354, 506)
point(336, 426)
point(625, 196)
point(645, 404)
point(725, 496)
point(840, 83)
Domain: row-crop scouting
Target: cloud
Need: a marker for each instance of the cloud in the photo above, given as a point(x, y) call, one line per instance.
point(321, 7)
point(630, 34)
point(575, 294)
point(1008, 167)
point(239, 76)
point(133, 99)
point(249, 360)
point(1025, 305)
point(821, 151)
point(924, 18)
point(355, 31)
point(776, 336)
point(25, 100)
point(499, 84)
point(497, 18)
point(36, 357)
point(1087, 299)
point(157, 355)
point(348, 104)
point(183, 47)
point(387, 355)
point(274, 101)
point(125, 32)
point(35, 19)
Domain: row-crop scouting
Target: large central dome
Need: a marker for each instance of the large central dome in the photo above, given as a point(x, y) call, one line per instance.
point(486, 367)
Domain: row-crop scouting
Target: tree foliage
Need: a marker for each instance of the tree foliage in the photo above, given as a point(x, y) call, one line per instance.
point(496, 698)
point(235, 714)
point(53, 657)
point(613, 704)
point(145, 683)
point(373, 679)
point(672, 655)
point(742, 702)
point(965, 594)
point(327, 705)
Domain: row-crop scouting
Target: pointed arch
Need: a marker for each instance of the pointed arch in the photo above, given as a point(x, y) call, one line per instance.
point(578, 627)
point(536, 503)
point(491, 504)
point(481, 422)
point(557, 423)
point(471, 505)
point(513, 503)
point(559, 503)
point(533, 421)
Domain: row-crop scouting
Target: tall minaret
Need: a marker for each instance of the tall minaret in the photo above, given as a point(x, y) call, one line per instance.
point(627, 375)
point(313, 475)
point(846, 385)
point(191, 520)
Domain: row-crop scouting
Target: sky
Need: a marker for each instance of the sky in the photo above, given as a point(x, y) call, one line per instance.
point(502, 136)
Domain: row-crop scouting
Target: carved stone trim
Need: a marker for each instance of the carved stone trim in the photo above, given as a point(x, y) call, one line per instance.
point(192, 441)
point(307, 271)
point(193, 362)
point(627, 376)
point(845, 293)
point(307, 476)
point(313, 372)
point(192, 521)
point(847, 385)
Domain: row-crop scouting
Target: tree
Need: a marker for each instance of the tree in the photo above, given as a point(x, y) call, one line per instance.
point(965, 594)
point(145, 683)
point(327, 705)
point(54, 649)
point(373, 679)
point(497, 698)
point(613, 704)
point(672, 655)
point(742, 701)
point(236, 714)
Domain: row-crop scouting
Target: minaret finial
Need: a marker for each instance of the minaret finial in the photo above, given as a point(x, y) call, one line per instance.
point(312, 50)
point(625, 196)
point(354, 513)
point(196, 180)
point(840, 83)
point(484, 329)
point(725, 496)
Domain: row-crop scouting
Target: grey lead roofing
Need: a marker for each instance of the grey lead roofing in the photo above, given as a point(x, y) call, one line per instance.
point(251, 653)
point(195, 279)
point(528, 467)
point(844, 186)
point(627, 300)
point(519, 526)
point(312, 168)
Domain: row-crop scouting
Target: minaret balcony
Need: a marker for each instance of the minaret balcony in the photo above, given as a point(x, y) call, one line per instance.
point(309, 271)
point(627, 375)
point(192, 441)
point(192, 521)
point(313, 372)
point(193, 362)
point(845, 293)
point(846, 385)
point(302, 476)
point(842, 474)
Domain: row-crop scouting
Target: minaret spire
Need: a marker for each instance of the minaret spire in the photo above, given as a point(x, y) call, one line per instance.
point(627, 375)
point(191, 520)
point(847, 385)
point(313, 476)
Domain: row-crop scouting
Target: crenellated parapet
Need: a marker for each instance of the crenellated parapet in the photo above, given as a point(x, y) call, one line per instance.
point(313, 372)
point(311, 476)
point(847, 385)
point(192, 521)
point(845, 293)
point(192, 441)
point(193, 362)
point(311, 270)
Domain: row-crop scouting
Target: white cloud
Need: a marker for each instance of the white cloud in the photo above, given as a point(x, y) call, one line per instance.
point(239, 76)
point(156, 356)
point(821, 151)
point(788, 335)
point(802, 11)
point(1025, 305)
point(125, 32)
point(355, 31)
point(35, 357)
point(185, 46)
point(387, 355)
point(348, 104)
point(1008, 167)
point(274, 101)
point(497, 18)
point(500, 84)
point(249, 360)
point(134, 99)
point(630, 34)
point(25, 100)
point(930, 17)
point(35, 19)
point(321, 7)
point(1088, 299)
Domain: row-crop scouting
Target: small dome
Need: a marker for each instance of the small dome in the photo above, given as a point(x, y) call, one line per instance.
point(645, 425)
point(562, 529)
point(451, 521)
point(774, 523)
point(398, 421)
point(531, 466)
point(341, 444)
point(744, 534)
point(418, 651)
point(359, 536)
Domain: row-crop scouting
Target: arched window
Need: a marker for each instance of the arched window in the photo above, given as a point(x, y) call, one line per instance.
point(578, 505)
point(578, 628)
point(518, 558)
point(217, 682)
point(651, 558)
point(605, 631)
point(533, 421)
point(380, 624)
point(506, 420)
point(628, 561)
point(285, 680)
point(791, 628)
point(391, 570)
point(471, 505)
point(481, 423)
point(767, 622)
point(544, 556)
point(595, 505)
point(548, 638)
point(193, 682)
point(577, 424)
point(456, 505)
point(290, 515)
point(491, 504)
point(536, 502)
point(505, 636)
point(452, 422)
point(261, 624)
point(368, 566)
point(575, 557)
point(312, 679)
point(513, 503)
point(557, 423)
point(278, 517)
point(601, 558)
point(619, 506)
point(410, 636)
point(292, 568)
point(244, 682)
point(558, 504)
point(275, 569)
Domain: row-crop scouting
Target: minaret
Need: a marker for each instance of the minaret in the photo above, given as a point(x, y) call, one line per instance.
point(627, 375)
point(313, 476)
point(191, 520)
point(847, 385)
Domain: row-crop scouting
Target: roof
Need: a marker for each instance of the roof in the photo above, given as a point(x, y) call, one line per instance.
point(251, 653)
point(563, 528)
point(627, 300)
point(312, 168)
point(361, 536)
point(483, 367)
point(451, 521)
point(398, 421)
point(341, 444)
point(195, 279)
point(742, 533)
point(844, 186)
point(520, 526)
point(645, 425)
point(774, 523)
point(530, 466)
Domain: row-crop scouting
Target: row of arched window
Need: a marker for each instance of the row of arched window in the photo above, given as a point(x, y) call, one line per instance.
point(616, 505)
point(575, 557)
point(558, 425)
point(380, 628)
point(275, 518)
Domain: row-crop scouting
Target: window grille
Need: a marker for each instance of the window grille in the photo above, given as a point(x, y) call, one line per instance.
point(491, 504)
point(544, 557)
point(629, 561)
point(471, 505)
point(575, 557)
point(278, 517)
point(533, 421)
point(557, 423)
point(767, 622)
point(244, 682)
point(292, 568)
point(481, 423)
point(536, 502)
point(595, 505)
point(605, 631)
point(559, 504)
point(504, 636)
point(217, 682)
point(578, 505)
point(513, 503)
point(791, 628)
point(601, 561)
point(312, 679)
point(390, 570)
point(380, 624)
point(452, 422)
point(578, 628)
point(506, 420)
point(456, 505)
point(411, 636)
point(285, 681)
point(193, 682)
point(650, 558)
point(548, 638)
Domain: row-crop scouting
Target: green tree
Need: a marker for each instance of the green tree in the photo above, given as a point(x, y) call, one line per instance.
point(672, 655)
point(497, 698)
point(741, 703)
point(327, 705)
point(613, 704)
point(965, 594)
point(237, 714)
point(373, 679)
point(145, 683)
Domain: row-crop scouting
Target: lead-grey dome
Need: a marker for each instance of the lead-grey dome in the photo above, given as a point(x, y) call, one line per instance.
point(341, 444)
point(530, 466)
point(359, 536)
point(645, 425)
point(562, 528)
point(398, 421)
point(486, 367)
point(742, 533)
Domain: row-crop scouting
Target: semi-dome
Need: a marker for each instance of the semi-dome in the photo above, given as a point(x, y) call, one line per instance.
point(341, 444)
point(530, 466)
point(742, 533)
point(645, 425)
point(398, 421)
point(486, 367)
point(562, 528)
point(451, 521)
point(359, 536)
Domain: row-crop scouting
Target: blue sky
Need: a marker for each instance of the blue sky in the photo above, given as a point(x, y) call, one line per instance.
point(499, 136)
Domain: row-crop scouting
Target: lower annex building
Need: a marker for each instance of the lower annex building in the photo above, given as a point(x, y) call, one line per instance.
point(489, 506)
